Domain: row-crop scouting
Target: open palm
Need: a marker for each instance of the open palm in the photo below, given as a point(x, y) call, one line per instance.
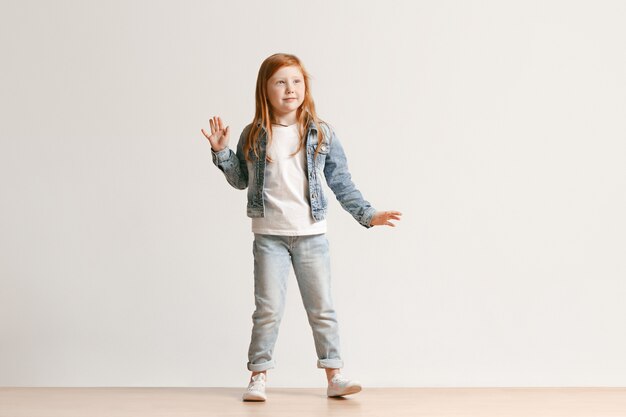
point(219, 135)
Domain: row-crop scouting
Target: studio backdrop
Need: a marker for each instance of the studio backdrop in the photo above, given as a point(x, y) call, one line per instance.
point(495, 127)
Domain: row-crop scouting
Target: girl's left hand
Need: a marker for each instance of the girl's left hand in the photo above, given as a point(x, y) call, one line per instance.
point(381, 218)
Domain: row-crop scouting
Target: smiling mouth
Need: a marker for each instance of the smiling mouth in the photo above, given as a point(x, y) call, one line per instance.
point(290, 98)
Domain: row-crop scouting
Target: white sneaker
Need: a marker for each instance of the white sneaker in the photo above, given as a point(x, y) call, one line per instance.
point(339, 386)
point(256, 389)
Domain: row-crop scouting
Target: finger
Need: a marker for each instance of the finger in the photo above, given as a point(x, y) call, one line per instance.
point(220, 123)
point(394, 217)
point(212, 126)
point(204, 133)
point(390, 224)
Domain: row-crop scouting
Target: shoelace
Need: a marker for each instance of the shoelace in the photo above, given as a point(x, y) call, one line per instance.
point(339, 379)
point(257, 384)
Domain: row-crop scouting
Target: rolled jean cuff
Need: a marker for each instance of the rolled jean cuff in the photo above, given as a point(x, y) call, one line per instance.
point(260, 367)
point(329, 363)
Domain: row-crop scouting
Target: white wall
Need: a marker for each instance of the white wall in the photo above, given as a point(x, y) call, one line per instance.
point(497, 128)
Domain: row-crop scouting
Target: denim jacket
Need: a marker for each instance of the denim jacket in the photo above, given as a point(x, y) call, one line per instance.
point(330, 164)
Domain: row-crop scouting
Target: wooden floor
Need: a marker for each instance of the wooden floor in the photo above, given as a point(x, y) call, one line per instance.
point(292, 402)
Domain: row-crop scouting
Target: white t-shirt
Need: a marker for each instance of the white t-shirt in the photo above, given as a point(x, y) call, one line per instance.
point(286, 191)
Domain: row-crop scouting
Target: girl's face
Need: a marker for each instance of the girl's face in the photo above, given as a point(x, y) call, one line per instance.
point(285, 90)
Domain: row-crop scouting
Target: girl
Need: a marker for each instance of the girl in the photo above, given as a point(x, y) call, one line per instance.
point(282, 157)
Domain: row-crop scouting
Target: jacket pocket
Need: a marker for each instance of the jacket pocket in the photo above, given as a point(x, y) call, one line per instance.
point(320, 159)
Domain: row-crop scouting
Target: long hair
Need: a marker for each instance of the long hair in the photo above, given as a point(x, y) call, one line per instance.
point(263, 113)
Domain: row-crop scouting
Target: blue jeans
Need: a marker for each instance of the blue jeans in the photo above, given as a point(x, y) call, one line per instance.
point(309, 256)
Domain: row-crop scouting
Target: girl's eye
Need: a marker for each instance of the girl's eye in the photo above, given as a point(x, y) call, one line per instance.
point(296, 81)
point(280, 82)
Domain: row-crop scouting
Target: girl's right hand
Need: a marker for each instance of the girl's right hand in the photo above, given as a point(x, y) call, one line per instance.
point(219, 136)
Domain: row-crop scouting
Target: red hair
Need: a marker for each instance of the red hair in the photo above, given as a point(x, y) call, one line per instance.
point(263, 112)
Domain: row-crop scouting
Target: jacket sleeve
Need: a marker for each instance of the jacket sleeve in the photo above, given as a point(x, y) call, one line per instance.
point(233, 165)
point(340, 182)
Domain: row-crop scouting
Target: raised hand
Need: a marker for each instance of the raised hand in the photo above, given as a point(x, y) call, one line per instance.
point(381, 218)
point(219, 135)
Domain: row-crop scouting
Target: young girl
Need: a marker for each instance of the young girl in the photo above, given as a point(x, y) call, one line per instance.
point(282, 158)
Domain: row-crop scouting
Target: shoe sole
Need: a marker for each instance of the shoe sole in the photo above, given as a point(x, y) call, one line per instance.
point(351, 390)
point(253, 398)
